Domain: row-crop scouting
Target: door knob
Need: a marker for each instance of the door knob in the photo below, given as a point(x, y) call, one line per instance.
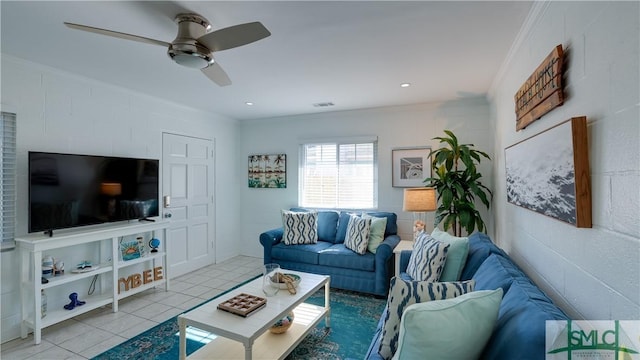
point(167, 215)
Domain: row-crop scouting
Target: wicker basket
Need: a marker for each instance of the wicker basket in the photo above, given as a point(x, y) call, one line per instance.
point(282, 325)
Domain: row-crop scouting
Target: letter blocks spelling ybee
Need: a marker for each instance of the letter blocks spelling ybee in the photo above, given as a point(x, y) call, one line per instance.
point(135, 280)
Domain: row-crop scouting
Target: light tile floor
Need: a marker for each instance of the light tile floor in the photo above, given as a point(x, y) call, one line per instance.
point(92, 333)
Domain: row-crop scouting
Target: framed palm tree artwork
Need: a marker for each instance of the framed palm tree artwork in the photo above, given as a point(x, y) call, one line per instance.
point(268, 171)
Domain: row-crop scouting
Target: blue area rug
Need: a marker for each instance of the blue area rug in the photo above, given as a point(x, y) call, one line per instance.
point(354, 317)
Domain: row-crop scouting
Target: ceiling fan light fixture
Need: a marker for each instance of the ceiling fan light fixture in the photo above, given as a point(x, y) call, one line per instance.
point(190, 56)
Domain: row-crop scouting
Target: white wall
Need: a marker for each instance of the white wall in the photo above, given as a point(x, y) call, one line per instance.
point(402, 126)
point(60, 112)
point(593, 273)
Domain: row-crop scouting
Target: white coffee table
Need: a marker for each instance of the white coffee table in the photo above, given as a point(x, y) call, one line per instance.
point(249, 338)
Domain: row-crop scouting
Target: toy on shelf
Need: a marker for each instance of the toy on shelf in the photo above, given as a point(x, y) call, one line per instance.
point(74, 302)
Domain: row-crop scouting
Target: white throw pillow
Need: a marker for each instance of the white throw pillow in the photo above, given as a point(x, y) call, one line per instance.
point(299, 227)
point(358, 234)
point(427, 258)
point(452, 329)
point(403, 293)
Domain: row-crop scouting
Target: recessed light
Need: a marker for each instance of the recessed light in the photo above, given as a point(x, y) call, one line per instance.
point(405, 84)
point(249, 103)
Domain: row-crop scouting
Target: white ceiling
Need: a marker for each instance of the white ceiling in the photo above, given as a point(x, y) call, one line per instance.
point(354, 54)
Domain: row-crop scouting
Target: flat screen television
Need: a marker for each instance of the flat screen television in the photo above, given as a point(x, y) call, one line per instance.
point(69, 190)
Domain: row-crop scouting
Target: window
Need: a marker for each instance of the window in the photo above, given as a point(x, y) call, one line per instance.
point(342, 175)
point(8, 177)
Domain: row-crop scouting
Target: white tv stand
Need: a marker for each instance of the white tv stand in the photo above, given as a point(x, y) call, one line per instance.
point(106, 239)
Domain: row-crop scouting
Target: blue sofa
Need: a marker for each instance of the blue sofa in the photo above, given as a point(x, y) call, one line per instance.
point(369, 273)
point(520, 329)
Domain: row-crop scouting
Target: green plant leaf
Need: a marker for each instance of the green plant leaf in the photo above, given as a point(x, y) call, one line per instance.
point(449, 221)
point(480, 224)
point(453, 138)
point(447, 197)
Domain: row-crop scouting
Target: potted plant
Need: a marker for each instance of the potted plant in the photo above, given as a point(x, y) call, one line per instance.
point(457, 182)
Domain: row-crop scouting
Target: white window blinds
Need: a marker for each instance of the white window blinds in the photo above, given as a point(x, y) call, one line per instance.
point(8, 178)
point(339, 175)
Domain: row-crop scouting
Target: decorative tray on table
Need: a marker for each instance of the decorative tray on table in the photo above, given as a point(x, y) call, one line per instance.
point(243, 304)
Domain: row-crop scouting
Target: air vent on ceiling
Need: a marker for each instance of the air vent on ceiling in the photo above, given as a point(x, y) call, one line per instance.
point(323, 104)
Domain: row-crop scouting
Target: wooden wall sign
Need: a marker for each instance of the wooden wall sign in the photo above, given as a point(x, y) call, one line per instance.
point(542, 92)
point(135, 280)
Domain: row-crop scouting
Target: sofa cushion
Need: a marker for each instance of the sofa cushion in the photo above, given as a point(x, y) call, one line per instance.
point(307, 254)
point(299, 227)
point(480, 247)
point(343, 222)
point(392, 221)
point(456, 256)
point(327, 223)
point(427, 258)
point(455, 328)
point(404, 293)
point(497, 271)
point(520, 329)
point(376, 233)
point(358, 232)
point(339, 256)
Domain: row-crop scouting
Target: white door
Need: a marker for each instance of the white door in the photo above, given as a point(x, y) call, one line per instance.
point(187, 178)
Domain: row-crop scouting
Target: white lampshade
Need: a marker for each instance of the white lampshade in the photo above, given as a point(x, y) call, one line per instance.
point(420, 199)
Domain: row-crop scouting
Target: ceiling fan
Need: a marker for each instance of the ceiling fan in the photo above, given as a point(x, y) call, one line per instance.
point(194, 46)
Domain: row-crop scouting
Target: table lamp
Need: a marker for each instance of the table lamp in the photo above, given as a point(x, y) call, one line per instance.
point(111, 190)
point(419, 201)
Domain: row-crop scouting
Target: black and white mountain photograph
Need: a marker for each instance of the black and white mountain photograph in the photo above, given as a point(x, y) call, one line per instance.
point(540, 173)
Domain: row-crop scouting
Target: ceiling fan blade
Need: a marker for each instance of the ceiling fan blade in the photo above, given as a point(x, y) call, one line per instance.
point(117, 34)
point(216, 74)
point(234, 36)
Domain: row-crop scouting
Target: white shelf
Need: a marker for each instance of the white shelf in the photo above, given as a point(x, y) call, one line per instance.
point(155, 256)
point(107, 236)
point(55, 316)
point(70, 277)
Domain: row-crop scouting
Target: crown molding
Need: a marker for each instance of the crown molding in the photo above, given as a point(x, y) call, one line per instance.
point(535, 14)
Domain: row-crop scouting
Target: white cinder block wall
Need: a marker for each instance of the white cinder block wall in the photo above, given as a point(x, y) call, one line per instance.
point(395, 127)
point(592, 273)
point(60, 112)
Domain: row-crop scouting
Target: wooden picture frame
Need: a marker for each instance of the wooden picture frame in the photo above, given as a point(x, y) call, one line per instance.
point(268, 171)
point(549, 173)
point(408, 166)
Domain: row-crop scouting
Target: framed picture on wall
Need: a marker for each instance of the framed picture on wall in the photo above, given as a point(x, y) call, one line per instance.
point(410, 166)
point(268, 171)
point(549, 173)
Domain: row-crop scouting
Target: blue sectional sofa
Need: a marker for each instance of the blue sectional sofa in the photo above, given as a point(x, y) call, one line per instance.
point(520, 329)
point(369, 273)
